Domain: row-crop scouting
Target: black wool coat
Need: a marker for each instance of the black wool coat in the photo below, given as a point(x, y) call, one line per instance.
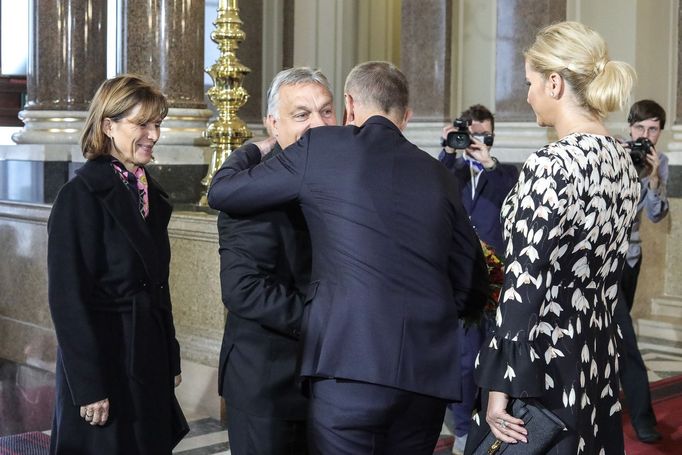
point(109, 299)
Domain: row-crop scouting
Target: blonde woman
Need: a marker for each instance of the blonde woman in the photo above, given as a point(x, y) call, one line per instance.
point(108, 258)
point(566, 225)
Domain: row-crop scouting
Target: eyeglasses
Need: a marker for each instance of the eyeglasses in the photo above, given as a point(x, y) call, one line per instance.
point(641, 129)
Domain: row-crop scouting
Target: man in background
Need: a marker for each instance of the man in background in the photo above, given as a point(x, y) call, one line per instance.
point(646, 119)
point(264, 275)
point(484, 183)
point(395, 264)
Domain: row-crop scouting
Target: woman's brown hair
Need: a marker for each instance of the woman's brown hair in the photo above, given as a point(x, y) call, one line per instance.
point(114, 99)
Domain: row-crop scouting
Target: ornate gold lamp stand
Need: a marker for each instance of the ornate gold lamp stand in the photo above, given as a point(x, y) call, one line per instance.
point(228, 131)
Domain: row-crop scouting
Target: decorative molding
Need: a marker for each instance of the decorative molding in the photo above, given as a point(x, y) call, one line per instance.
point(197, 226)
point(39, 152)
point(50, 127)
point(184, 126)
point(26, 212)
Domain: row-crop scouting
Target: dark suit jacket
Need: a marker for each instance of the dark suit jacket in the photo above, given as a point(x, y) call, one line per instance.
point(109, 299)
point(491, 190)
point(395, 259)
point(264, 274)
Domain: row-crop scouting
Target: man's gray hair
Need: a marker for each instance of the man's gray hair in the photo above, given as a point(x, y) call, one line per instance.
point(379, 84)
point(294, 76)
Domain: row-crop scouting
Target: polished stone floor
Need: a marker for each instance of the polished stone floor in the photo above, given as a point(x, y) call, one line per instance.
point(26, 399)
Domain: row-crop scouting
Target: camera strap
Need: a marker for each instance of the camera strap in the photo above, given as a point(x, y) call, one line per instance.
point(475, 169)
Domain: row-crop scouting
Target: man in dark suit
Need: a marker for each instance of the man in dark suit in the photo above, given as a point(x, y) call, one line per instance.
point(265, 271)
point(484, 183)
point(395, 263)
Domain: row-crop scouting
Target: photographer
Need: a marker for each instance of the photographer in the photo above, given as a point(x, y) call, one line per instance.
point(483, 181)
point(646, 120)
point(483, 185)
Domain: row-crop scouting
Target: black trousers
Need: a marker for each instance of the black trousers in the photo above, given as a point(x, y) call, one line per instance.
point(633, 375)
point(357, 418)
point(255, 435)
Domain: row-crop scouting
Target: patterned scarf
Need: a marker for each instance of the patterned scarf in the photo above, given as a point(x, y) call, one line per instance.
point(137, 183)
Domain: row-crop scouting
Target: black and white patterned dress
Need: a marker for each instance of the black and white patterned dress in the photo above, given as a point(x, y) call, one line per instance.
point(566, 224)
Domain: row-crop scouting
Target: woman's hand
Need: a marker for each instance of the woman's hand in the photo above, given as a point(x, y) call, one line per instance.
point(178, 380)
point(504, 426)
point(96, 413)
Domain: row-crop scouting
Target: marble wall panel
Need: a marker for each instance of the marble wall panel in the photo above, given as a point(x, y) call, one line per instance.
point(26, 334)
point(23, 270)
point(195, 274)
point(26, 331)
point(517, 23)
point(425, 53)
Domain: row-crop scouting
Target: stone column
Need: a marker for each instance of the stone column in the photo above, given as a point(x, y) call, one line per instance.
point(517, 23)
point(517, 134)
point(164, 40)
point(425, 52)
point(425, 59)
point(67, 62)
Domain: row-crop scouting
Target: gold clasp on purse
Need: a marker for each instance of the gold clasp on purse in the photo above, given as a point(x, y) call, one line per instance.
point(495, 447)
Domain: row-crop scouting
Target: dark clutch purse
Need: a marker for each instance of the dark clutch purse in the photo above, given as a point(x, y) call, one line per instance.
point(543, 427)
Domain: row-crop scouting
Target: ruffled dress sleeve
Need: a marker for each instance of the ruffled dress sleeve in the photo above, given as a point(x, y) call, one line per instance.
point(536, 215)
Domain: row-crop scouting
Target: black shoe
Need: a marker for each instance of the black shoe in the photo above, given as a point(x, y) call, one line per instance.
point(648, 435)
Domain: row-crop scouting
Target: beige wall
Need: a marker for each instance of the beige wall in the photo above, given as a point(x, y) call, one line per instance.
point(325, 37)
point(473, 59)
point(642, 33)
point(335, 35)
point(379, 31)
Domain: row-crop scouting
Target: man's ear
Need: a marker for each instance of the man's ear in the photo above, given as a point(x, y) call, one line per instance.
point(271, 125)
point(406, 118)
point(349, 113)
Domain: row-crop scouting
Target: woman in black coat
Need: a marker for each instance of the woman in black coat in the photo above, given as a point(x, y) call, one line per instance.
point(108, 259)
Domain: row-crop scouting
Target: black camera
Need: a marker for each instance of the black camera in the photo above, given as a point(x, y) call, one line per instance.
point(639, 148)
point(461, 139)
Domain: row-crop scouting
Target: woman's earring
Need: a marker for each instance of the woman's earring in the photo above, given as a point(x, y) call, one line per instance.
point(552, 94)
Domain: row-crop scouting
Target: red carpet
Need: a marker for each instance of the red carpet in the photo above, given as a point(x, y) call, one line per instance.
point(667, 400)
point(33, 443)
point(444, 446)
